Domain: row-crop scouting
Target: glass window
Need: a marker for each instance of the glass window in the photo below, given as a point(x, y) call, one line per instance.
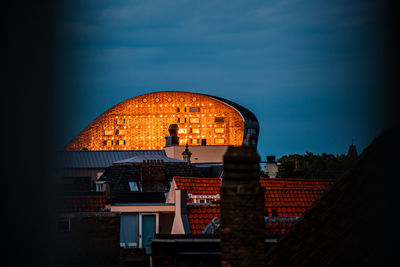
point(184, 131)
point(133, 186)
point(108, 132)
point(120, 121)
point(219, 130)
point(219, 119)
point(219, 141)
point(195, 120)
point(121, 142)
point(178, 110)
point(179, 120)
point(128, 230)
point(194, 109)
point(121, 132)
point(195, 131)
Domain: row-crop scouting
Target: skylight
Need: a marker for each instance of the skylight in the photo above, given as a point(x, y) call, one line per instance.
point(133, 186)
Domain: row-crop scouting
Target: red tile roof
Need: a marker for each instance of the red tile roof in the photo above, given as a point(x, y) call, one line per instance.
point(201, 215)
point(198, 186)
point(283, 198)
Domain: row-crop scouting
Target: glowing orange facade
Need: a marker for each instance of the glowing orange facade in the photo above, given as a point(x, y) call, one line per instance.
point(141, 123)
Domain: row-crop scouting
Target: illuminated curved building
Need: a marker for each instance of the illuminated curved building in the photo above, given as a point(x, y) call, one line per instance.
point(141, 123)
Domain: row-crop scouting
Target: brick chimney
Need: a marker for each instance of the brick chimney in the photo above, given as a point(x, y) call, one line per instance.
point(242, 209)
point(152, 174)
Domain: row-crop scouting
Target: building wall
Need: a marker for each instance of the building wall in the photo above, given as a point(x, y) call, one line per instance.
point(92, 240)
point(200, 154)
point(141, 123)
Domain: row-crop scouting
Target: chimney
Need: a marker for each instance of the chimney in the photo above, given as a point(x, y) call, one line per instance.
point(181, 221)
point(242, 209)
point(152, 174)
point(271, 167)
point(172, 139)
point(186, 154)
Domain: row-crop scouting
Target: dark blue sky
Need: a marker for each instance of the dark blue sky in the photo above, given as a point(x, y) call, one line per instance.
point(307, 69)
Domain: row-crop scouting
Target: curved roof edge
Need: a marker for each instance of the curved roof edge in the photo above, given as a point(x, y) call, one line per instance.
point(247, 115)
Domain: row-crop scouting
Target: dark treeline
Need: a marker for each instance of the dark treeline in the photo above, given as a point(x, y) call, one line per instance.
point(309, 165)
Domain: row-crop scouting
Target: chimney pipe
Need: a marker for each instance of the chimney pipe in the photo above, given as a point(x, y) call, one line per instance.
point(242, 209)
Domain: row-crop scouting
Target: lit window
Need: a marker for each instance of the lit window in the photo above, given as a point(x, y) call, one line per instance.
point(194, 120)
point(133, 186)
point(219, 141)
point(108, 132)
point(121, 142)
point(194, 109)
point(121, 132)
point(120, 121)
point(219, 130)
point(196, 141)
point(184, 131)
point(219, 119)
point(195, 130)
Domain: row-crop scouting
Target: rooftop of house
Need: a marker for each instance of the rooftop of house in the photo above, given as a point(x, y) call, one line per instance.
point(285, 200)
point(347, 226)
point(104, 158)
point(126, 183)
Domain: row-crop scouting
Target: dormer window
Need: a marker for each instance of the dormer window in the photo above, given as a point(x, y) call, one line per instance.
point(133, 186)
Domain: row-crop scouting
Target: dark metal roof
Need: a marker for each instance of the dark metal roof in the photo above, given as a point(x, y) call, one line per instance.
point(250, 120)
point(101, 159)
point(148, 157)
point(247, 114)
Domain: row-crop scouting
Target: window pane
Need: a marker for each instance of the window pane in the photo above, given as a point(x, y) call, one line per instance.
point(133, 186)
point(121, 132)
point(108, 132)
point(128, 230)
point(219, 119)
point(194, 120)
point(194, 109)
point(219, 141)
point(219, 130)
point(148, 228)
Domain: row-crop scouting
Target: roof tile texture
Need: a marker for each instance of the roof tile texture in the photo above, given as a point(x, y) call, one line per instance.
point(283, 198)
